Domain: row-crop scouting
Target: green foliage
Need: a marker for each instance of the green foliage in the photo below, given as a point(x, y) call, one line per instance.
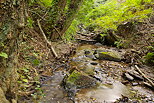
point(30, 22)
point(100, 14)
point(112, 13)
point(4, 55)
point(36, 62)
point(33, 59)
point(150, 48)
point(23, 77)
point(109, 14)
point(31, 2)
point(46, 3)
point(71, 31)
point(81, 18)
point(39, 93)
point(103, 35)
point(149, 58)
point(4, 30)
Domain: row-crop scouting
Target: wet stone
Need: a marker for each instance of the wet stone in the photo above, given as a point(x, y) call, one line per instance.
point(91, 56)
point(134, 84)
point(87, 52)
point(98, 44)
point(93, 63)
point(79, 80)
point(129, 77)
point(109, 55)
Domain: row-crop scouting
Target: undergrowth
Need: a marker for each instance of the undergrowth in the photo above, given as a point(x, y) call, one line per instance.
point(108, 15)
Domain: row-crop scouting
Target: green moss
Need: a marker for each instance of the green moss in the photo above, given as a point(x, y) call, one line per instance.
point(46, 3)
point(79, 80)
point(105, 52)
point(110, 55)
point(149, 58)
point(73, 77)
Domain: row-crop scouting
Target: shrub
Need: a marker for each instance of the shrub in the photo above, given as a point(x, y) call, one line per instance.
point(149, 58)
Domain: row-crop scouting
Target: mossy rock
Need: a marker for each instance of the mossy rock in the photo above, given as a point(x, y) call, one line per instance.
point(79, 80)
point(89, 70)
point(109, 55)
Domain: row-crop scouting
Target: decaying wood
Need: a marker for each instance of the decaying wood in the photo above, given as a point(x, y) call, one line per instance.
point(138, 69)
point(45, 38)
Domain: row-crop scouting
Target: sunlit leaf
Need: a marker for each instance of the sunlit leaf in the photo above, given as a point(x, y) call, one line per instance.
point(2, 54)
point(25, 80)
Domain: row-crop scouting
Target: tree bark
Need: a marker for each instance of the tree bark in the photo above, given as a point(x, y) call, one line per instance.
point(12, 22)
point(65, 21)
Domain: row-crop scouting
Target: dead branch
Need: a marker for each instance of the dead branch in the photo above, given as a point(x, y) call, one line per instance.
point(138, 69)
point(45, 38)
point(57, 31)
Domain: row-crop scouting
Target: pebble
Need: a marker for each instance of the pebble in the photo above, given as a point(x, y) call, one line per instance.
point(87, 52)
point(134, 84)
point(129, 77)
point(98, 44)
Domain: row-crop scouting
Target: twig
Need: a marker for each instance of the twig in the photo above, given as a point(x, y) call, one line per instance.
point(138, 69)
point(45, 14)
point(57, 31)
point(45, 38)
point(26, 93)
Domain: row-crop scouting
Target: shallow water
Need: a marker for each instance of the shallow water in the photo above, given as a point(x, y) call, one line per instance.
point(107, 72)
point(103, 93)
point(54, 93)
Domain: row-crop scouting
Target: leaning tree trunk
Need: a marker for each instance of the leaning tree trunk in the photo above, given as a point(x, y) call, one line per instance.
point(65, 21)
point(57, 10)
point(12, 22)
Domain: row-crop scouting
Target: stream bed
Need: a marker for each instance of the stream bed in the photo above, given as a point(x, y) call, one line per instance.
point(98, 81)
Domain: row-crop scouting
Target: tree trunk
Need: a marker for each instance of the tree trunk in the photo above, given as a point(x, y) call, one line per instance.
point(57, 10)
point(65, 21)
point(12, 14)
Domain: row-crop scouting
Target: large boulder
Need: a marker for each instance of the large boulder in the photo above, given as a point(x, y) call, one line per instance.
point(79, 80)
point(109, 55)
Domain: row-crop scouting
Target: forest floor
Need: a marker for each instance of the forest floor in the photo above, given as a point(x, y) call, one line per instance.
point(43, 78)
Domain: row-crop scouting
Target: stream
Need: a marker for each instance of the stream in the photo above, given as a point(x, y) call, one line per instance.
point(99, 81)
